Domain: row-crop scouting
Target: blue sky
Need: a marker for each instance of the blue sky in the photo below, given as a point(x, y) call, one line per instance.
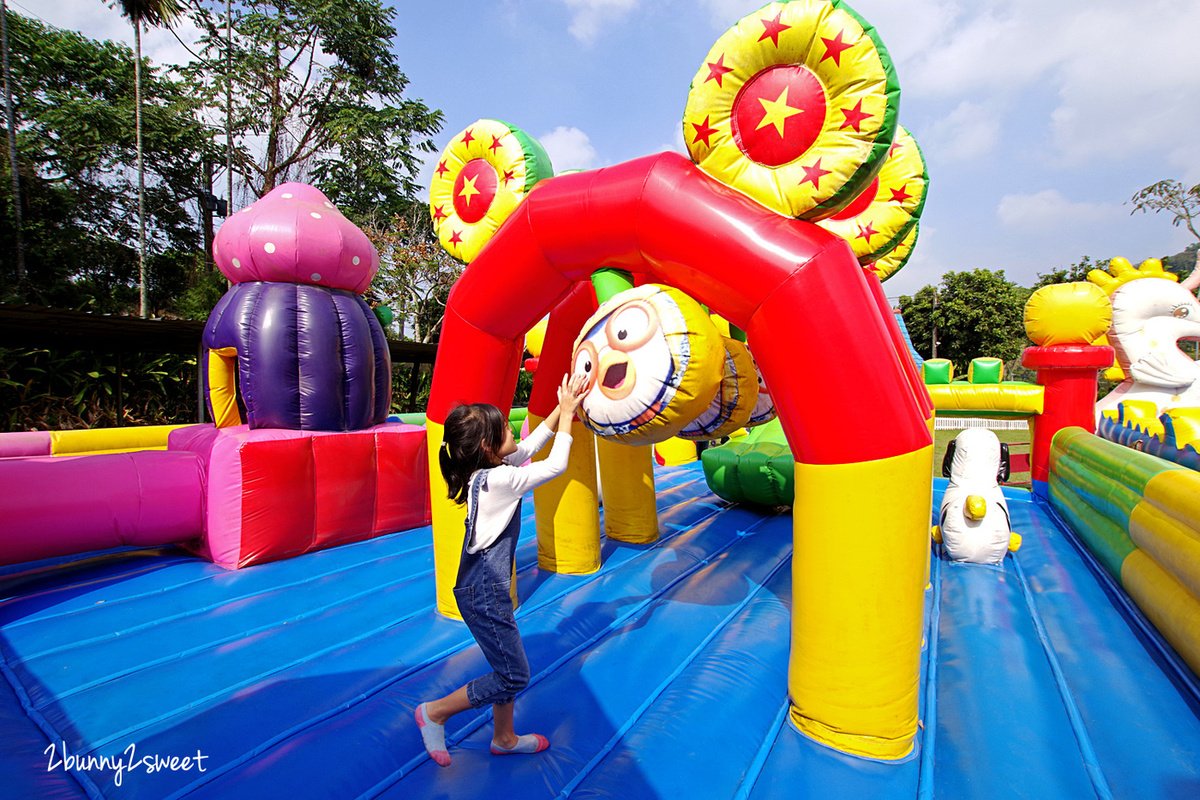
point(1038, 119)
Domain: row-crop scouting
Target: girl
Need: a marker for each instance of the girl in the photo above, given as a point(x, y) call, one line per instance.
point(478, 459)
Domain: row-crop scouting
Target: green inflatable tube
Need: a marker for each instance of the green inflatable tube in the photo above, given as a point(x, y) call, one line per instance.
point(757, 468)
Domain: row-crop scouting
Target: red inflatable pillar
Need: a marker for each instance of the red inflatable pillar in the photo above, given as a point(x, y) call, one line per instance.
point(1070, 375)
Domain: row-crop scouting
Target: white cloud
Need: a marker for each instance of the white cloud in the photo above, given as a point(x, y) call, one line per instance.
point(96, 20)
point(726, 13)
point(1048, 210)
point(591, 15)
point(968, 132)
point(569, 148)
point(1122, 77)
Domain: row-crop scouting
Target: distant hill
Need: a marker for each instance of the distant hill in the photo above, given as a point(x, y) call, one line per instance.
point(1182, 263)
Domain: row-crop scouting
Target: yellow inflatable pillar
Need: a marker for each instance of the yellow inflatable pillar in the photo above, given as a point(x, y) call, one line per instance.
point(676, 451)
point(568, 508)
point(449, 520)
point(627, 475)
point(858, 581)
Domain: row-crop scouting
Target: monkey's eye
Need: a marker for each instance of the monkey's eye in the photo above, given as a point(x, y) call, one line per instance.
point(585, 363)
point(1182, 312)
point(631, 326)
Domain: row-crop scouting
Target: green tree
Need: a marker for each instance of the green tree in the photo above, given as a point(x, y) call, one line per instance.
point(139, 13)
point(75, 105)
point(415, 272)
point(317, 96)
point(1173, 197)
point(977, 313)
point(1075, 273)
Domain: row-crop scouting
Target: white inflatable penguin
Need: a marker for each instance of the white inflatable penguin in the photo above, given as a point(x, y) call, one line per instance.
point(974, 522)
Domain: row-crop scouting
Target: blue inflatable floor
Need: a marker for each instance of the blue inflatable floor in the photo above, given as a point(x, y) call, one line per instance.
point(662, 675)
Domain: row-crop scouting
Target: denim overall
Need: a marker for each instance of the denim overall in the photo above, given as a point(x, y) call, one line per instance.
point(484, 600)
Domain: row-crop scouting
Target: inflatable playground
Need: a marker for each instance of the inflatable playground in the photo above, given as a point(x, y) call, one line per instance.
point(254, 607)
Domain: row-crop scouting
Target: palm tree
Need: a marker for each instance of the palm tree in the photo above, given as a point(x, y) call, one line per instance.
point(156, 13)
point(10, 123)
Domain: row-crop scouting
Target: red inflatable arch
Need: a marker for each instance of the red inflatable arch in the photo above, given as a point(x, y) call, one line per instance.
point(852, 406)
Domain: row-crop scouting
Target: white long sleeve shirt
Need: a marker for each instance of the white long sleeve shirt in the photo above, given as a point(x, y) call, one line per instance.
point(503, 486)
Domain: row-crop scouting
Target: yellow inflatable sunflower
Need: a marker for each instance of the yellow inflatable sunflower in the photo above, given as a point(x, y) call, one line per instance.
point(482, 175)
point(795, 105)
point(881, 217)
point(890, 262)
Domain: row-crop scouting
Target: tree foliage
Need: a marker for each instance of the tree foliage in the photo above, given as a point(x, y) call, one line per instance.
point(74, 105)
point(317, 96)
point(1173, 197)
point(1072, 274)
point(415, 272)
point(977, 313)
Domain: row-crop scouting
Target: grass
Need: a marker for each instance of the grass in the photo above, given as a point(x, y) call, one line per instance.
point(1017, 440)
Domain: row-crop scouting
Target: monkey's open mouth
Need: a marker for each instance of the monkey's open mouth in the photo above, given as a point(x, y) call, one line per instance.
point(614, 376)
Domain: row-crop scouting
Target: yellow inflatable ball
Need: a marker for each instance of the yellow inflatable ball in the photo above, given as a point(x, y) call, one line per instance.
point(654, 361)
point(1067, 313)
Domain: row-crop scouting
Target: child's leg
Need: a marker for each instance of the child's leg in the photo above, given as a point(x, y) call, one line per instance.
point(446, 707)
point(502, 717)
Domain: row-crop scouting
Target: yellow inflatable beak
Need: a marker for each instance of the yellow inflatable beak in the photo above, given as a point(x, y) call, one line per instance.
point(1014, 542)
point(975, 508)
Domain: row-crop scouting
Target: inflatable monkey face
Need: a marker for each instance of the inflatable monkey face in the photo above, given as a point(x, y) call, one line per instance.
point(638, 351)
point(629, 342)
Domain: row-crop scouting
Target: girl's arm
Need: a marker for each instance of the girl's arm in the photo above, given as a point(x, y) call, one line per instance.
point(523, 479)
point(539, 436)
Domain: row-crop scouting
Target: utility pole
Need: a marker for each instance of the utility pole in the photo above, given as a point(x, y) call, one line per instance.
point(206, 214)
point(933, 324)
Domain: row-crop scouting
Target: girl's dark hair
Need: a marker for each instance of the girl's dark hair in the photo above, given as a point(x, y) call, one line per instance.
point(473, 433)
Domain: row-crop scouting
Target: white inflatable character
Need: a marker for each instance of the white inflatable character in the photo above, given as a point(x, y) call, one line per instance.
point(1149, 318)
point(974, 523)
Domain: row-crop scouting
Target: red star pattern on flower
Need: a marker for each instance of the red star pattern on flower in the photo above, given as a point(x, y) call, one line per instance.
point(814, 174)
point(901, 194)
point(772, 29)
point(456, 237)
point(438, 214)
point(442, 168)
point(717, 70)
point(867, 232)
point(835, 47)
point(855, 117)
point(509, 176)
point(495, 145)
point(703, 131)
point(468, 137)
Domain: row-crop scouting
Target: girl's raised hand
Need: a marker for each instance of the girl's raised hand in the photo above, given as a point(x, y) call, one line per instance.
point(571, 392)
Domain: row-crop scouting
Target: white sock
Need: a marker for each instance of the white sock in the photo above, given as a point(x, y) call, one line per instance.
point(433, 735)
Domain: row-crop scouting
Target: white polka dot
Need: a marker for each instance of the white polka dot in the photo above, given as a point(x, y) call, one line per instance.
point(314, 215)
point(237, 264)
point(287, 195)
point(316, 276)
point(328, 204)
point(355, 261)
point(247, 209)
point(269, 247)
